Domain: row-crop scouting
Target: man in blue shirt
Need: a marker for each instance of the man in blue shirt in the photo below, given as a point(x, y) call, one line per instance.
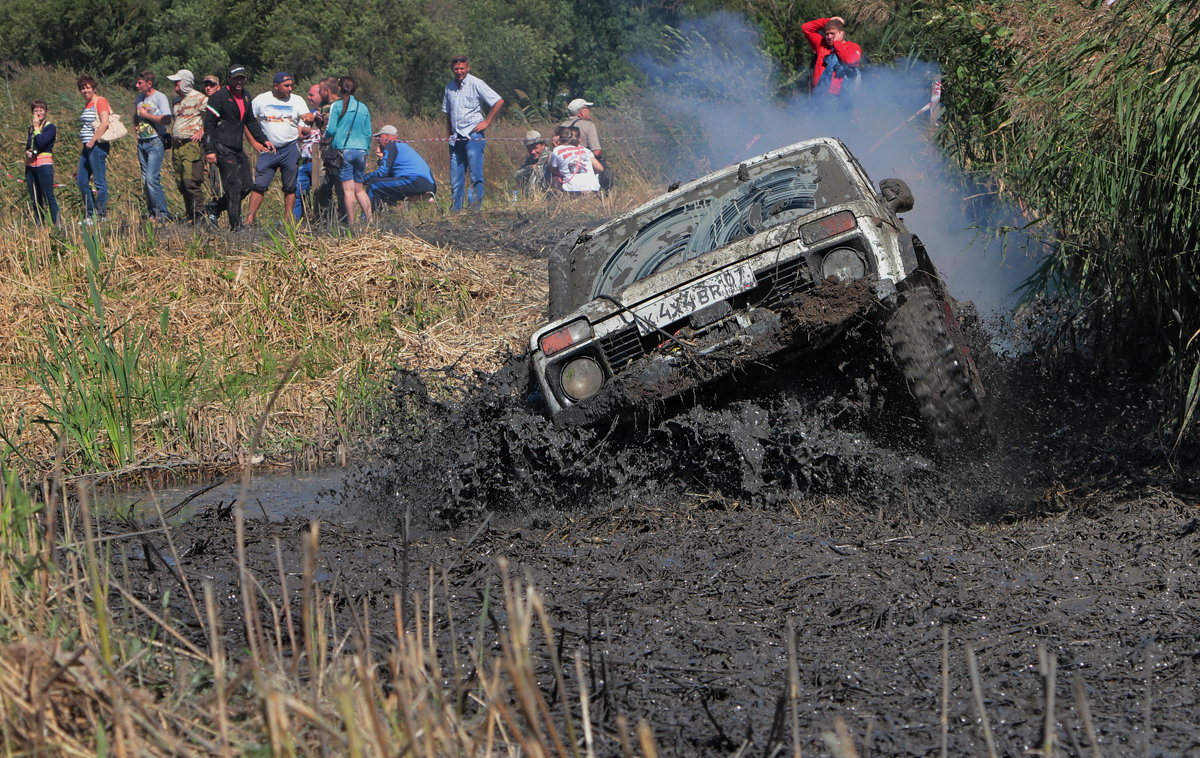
point(463, 102)
point(402, 172)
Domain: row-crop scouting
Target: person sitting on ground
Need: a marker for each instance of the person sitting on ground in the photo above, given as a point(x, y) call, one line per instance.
point(402, 172)
point(837, 56)
point(575, 167)
point(530, 178)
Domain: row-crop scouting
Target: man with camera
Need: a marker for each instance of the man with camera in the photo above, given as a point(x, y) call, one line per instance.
point(837, 57)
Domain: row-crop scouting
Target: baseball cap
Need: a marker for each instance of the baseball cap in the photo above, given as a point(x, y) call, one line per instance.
point(532, 137)
point(389, 129)
point(283, 76)
point(236, 70)
point(577, 105)
point(212, 79)
point(182, 75)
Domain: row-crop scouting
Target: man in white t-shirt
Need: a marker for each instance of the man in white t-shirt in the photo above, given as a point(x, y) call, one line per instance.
point(281, 114)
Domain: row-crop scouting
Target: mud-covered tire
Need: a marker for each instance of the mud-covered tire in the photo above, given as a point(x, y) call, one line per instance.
point(937, 372)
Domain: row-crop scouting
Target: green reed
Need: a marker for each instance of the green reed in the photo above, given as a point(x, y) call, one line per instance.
point(101, 382)
point(1094, 130)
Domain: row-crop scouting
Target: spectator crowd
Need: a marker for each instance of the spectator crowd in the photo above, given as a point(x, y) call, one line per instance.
point(318, 145)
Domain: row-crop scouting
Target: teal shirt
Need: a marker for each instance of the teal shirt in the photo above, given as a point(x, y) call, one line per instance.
point(353, 132)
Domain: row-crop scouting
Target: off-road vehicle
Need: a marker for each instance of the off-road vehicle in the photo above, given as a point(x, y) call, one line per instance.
point(770, 259)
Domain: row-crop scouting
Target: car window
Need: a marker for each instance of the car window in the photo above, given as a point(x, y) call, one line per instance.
point(722, 211)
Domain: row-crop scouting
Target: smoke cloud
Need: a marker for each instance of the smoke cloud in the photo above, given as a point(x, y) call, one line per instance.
point(720, 93)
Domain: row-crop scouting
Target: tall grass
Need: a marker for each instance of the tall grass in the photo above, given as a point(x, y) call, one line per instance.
point(127, 359)
point(1092, 125)
point(89, 665)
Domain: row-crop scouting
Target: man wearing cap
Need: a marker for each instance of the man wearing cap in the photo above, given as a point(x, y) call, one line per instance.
point(281, 114)
point(580, 112)
point(151, 115)
point(226, 115)
point(530, 178)
point(187, 129)
point(402, 172)
point(462, 102)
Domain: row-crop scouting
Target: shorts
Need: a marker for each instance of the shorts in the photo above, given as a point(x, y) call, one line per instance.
point(354, 166)
point(287, 159)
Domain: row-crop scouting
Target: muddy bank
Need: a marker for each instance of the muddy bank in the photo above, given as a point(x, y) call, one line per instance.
point(681, 614)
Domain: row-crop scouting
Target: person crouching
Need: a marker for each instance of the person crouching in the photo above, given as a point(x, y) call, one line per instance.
point(402, 172)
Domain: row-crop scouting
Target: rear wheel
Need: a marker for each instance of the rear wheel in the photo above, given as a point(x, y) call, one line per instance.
point(937, 367)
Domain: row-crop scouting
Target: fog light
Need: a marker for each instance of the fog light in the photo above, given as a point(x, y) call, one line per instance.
point(843, 263)
point(581, 378)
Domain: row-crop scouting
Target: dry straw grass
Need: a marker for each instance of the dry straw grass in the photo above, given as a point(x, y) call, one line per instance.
point(349, 309)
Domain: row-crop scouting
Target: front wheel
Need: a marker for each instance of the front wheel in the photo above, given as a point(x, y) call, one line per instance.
point(938, 371)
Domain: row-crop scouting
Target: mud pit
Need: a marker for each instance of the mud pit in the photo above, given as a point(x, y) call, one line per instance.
point(675, 548)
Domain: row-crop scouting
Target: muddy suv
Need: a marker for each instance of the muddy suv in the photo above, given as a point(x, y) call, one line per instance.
point(770, 259)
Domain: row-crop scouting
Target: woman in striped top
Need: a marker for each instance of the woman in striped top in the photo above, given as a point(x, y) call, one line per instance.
point(39, 164)
point(93, 159)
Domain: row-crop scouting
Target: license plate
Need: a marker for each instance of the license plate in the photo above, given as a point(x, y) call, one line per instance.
point(685, 302)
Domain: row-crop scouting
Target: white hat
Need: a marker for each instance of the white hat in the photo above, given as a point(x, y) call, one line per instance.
point(389, 130)
point(182, 75)
point(577, 105)
point(532, 137)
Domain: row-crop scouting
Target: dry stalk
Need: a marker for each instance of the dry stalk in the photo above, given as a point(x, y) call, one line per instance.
point(980, 708)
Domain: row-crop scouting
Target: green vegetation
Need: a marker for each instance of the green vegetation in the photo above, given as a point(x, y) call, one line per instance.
point(1087, 116)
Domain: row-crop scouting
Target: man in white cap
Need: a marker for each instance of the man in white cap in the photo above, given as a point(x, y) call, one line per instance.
point(402, 172)
point(580, 111)
point(187, 157)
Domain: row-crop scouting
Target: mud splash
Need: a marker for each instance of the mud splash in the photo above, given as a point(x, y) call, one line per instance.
point(768, 436)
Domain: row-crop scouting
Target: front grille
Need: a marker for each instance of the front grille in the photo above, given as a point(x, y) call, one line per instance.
point(780, 282)
point(621, 347)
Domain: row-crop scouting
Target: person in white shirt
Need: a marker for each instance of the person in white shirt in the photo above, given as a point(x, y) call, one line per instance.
point(574, 167)
point(281, 114)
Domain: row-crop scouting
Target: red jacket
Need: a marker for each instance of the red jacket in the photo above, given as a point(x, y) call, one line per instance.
point(847, 52)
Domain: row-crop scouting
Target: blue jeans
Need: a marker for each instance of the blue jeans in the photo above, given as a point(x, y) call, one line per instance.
point(354, 165)
point(150, 158)
point(467, 154)
point(39, 180)
point(93, 168)
point(303, 185)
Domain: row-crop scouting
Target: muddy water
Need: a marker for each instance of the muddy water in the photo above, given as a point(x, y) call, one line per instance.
point(271, 496)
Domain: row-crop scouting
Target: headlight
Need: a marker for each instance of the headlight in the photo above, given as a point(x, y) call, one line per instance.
point(844, 264)
point(581, 378)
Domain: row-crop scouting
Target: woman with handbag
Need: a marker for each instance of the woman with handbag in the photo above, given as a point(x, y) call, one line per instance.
point(39, 164)
point(93, 159)
point(349, 131)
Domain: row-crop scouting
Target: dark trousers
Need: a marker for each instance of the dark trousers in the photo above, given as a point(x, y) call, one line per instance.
point(235, 178)
point(397, 189)
point(39, 180)
point(329, 193)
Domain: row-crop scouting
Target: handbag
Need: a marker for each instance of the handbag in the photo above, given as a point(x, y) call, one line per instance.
point(331, 156)
point(116, 129)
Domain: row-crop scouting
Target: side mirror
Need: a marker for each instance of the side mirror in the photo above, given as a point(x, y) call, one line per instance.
point(896, 195)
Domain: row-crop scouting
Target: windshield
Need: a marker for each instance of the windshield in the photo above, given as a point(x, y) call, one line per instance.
point(722, 210)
